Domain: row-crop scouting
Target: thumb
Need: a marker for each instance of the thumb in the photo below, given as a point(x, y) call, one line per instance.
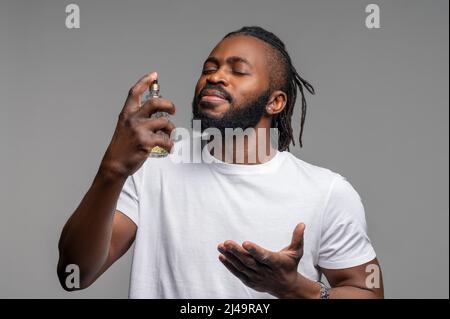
point(133, 100)
point(297, 238)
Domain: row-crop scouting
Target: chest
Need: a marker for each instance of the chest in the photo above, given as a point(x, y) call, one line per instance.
point(208, 208)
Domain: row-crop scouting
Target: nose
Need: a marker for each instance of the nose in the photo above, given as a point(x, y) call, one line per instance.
point(218, 77)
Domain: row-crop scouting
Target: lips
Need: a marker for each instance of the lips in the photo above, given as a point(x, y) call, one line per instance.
point(211, 95)
point(212, 99)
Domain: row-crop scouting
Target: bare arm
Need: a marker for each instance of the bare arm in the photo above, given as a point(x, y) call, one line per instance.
point(349, 283)
point(96, 235)
point(364, 281)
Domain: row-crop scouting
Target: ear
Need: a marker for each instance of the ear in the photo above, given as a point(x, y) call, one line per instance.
point(277, 102)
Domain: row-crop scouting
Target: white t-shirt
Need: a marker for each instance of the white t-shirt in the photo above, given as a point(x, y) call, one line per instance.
point(183, 211)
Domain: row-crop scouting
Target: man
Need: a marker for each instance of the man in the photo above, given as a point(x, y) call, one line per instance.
point(223, 228)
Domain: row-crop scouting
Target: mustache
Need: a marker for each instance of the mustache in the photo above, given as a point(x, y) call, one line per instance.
point(219, 88)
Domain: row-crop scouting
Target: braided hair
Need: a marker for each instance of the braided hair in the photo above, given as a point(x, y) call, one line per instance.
point(286, 78)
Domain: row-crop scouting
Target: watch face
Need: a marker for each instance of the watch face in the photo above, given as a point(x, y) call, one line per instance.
point(324, 291)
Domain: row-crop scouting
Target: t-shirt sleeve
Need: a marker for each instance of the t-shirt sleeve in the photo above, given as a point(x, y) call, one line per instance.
point(128, 202)
point(344, 240)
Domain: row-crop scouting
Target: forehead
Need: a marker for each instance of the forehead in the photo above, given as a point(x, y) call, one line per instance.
point(255, 51)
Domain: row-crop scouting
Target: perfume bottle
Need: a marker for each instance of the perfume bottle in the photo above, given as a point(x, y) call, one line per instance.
point(153, 92)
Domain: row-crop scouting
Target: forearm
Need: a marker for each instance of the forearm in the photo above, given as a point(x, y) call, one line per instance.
point(351, 292)
point(308, 289)
point(85, 239)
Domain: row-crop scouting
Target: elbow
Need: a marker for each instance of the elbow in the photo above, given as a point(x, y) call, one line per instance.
point(70, 278)
point(379, 294)
point(375, 293)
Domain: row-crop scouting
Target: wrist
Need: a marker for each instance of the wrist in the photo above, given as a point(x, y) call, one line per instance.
point(301, 288)
point(108, 174)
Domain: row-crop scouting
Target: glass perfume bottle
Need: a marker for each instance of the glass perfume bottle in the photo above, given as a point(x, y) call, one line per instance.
point(153, 92)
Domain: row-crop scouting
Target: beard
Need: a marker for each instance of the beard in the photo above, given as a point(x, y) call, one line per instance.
point(243, 116)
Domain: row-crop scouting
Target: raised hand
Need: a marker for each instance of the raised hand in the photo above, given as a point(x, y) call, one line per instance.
point(136, 133)
point(263, 270)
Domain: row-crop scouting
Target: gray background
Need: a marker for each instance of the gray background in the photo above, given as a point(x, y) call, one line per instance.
point(380, 117)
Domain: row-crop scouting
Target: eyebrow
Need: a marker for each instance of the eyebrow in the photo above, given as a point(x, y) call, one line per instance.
point(230, 60)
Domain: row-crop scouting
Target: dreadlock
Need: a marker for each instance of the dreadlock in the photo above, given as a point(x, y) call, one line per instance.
point(290, 81)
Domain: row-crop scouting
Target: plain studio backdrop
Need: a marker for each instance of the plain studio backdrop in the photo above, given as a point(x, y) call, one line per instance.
point(379, 118)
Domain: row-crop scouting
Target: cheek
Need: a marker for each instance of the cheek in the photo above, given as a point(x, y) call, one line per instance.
point(247, 90)
point(243, 97)
point(199, 85)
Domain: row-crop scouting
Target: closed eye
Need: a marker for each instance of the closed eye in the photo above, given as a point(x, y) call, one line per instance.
point(208, 71)
point(240, 73)
point(236, 72)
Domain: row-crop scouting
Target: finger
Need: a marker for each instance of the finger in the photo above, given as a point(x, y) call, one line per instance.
point(154, 105)
point(161, 140)
point(233, 270)
point(297, 237)
point(237, 263)
point(240, 253)
point(159, 124)
point(262, 255)
point(133, 100)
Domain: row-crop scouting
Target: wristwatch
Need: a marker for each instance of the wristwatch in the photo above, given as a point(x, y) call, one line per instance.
point(324, 291)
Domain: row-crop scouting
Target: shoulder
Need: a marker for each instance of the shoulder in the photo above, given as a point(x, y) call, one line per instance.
point(336, 188)
point(344, 202)
point(313, 175)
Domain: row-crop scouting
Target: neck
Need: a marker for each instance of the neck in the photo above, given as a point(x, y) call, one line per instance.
point(249, 147)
